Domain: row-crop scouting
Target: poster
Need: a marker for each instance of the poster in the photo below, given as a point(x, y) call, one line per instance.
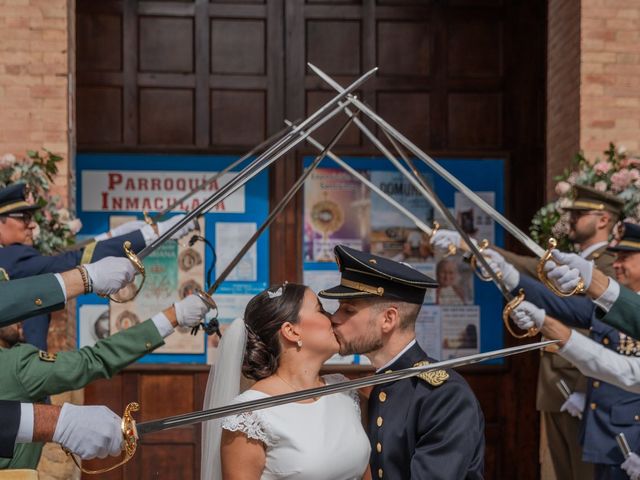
point(173, 271)
point(474, 221)
point(93, 324)
point(336, 212)
point(455, 281)
point(429, 330)
point(230, 238)
point(460, 330)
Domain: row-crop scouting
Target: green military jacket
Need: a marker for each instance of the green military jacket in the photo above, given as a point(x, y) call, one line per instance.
point(24, 298)
point(624, 313)
point(30, 375)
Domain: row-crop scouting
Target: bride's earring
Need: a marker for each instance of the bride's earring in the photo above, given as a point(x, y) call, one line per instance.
point(299, 344)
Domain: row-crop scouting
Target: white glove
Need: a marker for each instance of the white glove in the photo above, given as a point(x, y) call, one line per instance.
point(150, 235)
point(574, 405)
point(89, 431)
point(443, 238)
point(123, 229)
point(190, 311)
point(510, 276)
point(110, 274)
point(567, 269)
point(527, 315)
point(632, 466)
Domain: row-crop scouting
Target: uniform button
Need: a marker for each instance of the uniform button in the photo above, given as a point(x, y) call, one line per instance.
point(147, 345)
point(380, 472)
point(596, 384)
point(38, 302)
point(379, 445)
point(379, 421)
point(382, 396)
point(605, 341)
point(593, 406)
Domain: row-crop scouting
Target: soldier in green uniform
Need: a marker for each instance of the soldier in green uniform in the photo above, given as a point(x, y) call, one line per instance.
point(593, 215)
point(24, 298)
point(30, 375)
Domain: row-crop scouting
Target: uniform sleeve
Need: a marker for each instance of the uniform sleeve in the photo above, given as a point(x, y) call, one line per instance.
point(451, 442)
point(74, 369)
point(623, 314)
point(27, 297)
point(575, 311)
point(594, 360)
point(25, 261)
point(523, 263)
point(112, 247)
point(9, 424)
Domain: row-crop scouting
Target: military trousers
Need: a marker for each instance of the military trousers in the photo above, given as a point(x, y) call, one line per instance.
point(561, 432)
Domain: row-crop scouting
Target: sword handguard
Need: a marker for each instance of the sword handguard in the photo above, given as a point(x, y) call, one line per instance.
point(207, 299)
point(579, 288)
point(473, 261)
point(506, 317)
point(129, 438)
point(451, 247)
point(138, 265)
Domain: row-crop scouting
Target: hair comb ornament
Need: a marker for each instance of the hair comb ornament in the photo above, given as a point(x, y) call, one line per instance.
point(278, 292)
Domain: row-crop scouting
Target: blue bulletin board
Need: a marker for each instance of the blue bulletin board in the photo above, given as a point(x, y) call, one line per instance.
point(456, 320)
point(112, 186)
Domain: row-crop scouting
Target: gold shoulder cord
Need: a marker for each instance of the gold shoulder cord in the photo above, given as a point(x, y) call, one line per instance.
point(130, 435)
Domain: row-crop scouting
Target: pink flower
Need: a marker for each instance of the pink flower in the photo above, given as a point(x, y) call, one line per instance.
point(64, 215)
point(600, 186)
point(623, 178)
point(602, 168)
point(562, 188)
point(571, 179)
point(7, 160)
point(74, 225)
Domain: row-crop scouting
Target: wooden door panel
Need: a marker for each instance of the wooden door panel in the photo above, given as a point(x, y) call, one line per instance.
point(166, 44)
point(238, 47)
point(156, 126)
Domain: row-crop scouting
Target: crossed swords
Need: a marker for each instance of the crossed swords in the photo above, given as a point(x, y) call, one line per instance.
point(281, 143)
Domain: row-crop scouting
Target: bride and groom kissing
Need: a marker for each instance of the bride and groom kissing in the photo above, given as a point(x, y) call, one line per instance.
point(416, 428)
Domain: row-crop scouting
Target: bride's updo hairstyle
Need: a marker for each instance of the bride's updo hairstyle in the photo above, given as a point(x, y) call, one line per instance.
point(264, 315)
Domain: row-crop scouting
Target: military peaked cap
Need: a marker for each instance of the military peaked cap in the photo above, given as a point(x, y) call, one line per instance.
point(13, 199)
point(588, 198)
point(629, 239)
point(367, 275)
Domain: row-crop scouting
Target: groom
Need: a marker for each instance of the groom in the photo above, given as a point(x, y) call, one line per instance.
point(426, 427)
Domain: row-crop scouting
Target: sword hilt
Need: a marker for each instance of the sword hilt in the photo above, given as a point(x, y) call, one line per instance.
point(542, 275)
point(473, 261)
point(506, 317)
point(451, 248)
point(129, 439)
point(138, 265)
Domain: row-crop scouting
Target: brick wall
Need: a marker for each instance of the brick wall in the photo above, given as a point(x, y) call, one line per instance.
point(34, 70)
point(610, 75)
point(602, 103)
point(34, 113)
point(563, 86)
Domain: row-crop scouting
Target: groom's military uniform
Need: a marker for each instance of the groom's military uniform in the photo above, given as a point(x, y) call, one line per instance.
point(430, 426)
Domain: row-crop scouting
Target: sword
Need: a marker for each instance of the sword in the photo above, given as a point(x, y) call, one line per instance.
point(566, 392)
point(372, 186)
point(479, 202)
point(265, 159)
point(212, 326)
point(512, 301)
point(623, 445)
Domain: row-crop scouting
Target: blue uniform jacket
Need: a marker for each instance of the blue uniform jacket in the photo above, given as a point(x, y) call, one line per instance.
point(9, 423)
point(419, 431)
point(609, 409)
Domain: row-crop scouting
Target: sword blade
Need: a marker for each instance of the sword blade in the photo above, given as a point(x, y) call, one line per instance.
point(265, 159)
point(373, 187)
point(479, 202)
point(377, 379)
point(282, 204)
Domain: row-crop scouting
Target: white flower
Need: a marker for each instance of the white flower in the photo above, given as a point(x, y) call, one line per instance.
point(621, 149)
point(600, 186)
point(7, 160)
point(64, 215)
point(35, 232)
point(74, 225)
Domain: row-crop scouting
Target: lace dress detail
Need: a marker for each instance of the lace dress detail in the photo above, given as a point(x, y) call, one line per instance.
point(248, 423)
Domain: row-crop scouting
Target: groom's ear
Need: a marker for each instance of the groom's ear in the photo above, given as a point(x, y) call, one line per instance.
point(390, 318)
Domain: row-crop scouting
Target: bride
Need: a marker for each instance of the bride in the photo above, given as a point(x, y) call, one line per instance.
point(285, 338)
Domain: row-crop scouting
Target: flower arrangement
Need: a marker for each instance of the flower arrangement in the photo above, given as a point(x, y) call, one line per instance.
point(55, 226)
point(618, 174)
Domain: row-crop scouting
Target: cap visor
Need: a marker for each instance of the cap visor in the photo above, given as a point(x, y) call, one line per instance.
point(340, 291)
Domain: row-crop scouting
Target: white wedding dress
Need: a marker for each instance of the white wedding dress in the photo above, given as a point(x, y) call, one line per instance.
point(322, 440)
